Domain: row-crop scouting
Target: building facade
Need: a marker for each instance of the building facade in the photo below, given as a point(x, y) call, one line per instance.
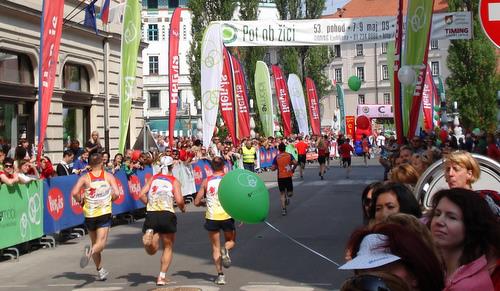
point(368, 61)
point(86, 95)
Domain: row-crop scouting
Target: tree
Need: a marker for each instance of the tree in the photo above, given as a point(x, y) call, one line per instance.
point(249, 56)
point(203, 13)
point(473, 81)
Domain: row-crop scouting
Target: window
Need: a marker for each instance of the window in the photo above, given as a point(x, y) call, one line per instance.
point(361, 99)
point(153, 32)
point(15, 68)
point(152, 4)
point(359, 49)
point(434, 44)
point(387, 98)
point(75, 124)
point(75, 78)
point(336, 51)
point(338, 75)
point(435, 68)
point(384, 48)
point(173, 3)
point(153, 65)
point(154, 99)
point(385, 72)
point(360, 72)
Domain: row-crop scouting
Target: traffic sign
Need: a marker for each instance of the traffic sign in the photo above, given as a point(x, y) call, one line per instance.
point(489, 16)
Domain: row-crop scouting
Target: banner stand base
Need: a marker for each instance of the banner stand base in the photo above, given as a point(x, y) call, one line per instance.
point(8, 253)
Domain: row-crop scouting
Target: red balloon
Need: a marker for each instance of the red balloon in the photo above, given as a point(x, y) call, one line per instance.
point(362, 122)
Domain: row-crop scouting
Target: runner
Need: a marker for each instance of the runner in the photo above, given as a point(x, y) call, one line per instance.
point(216, 219)
point(285, 164)
point(322, 149)
point(365, 144)
point(328, 144)
point(100, 190)
point(301, 147)
point(345, 150)
point(160, 224)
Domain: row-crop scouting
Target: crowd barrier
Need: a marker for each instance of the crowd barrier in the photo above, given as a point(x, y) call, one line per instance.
point(21, 213)
point(203, 169)
point(43, 207)
point(266, 157)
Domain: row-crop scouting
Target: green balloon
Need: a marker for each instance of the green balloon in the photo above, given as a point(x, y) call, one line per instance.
point(436, 117)
point(244, 196)
point(437, 108)
point(354, 83)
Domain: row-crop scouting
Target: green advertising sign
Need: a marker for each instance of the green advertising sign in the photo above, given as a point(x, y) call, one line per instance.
point(418, 24)
point(131, 38)
point(263, 96)
point(21, 213)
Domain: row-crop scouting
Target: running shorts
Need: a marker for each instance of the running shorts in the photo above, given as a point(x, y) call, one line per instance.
point(302, 159)
point(160, 222)
point(346, 162)
point(216, 225)
point(93, 223)
point(285, 184)
point(321, 159)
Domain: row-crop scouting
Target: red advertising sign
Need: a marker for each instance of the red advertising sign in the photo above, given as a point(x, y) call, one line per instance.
point(313, 107)
point(350, 125)
point(241, 97)
point(226, 97)
point(173, 72)
point(489, 16)
point(51, 30)
point(283, 99)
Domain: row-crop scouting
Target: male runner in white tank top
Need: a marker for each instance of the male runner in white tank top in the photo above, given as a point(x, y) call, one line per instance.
point(159, 195)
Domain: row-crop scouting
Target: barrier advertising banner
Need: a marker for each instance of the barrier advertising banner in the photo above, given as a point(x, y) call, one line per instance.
point(50, 39)
point(131, 37)
point(328, 31)
point(173, 72)
point(263, 97)
point(21, 216)
point(211, 74)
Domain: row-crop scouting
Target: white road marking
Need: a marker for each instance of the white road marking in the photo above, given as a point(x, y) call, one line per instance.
point(100, 289)
point(13, 286)
point(494, 11)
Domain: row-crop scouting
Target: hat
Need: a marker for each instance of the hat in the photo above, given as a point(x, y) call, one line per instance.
point(372, 253)
point(166, 161)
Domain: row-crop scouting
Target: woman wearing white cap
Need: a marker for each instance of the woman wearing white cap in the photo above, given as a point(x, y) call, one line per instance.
point(160, 224)
point(394, 249)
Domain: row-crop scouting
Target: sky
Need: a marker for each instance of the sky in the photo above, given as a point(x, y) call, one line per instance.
point(332, 5)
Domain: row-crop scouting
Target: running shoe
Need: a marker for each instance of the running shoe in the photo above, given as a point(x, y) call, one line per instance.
point(102, 274)
point(220, 280)
point(161, 281)
point(147, 238)
point(226, 260)
point(289, 194)
point(283, 211)
point(87, 253)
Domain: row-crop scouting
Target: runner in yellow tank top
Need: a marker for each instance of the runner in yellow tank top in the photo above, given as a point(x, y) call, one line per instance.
point(100, 190)
point(216, 219)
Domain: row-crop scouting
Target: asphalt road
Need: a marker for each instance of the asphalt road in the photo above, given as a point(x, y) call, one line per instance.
point(321, 216)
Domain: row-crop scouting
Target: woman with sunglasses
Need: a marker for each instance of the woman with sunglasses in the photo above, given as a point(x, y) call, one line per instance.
point(8, 176)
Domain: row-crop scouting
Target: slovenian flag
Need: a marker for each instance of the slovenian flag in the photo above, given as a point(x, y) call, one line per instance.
point(105, 11)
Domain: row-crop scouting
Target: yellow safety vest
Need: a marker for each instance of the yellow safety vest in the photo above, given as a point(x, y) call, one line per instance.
point(248, 155)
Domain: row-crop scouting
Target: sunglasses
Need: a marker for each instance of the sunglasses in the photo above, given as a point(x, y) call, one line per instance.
point(8, 166)
point(368, 283)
